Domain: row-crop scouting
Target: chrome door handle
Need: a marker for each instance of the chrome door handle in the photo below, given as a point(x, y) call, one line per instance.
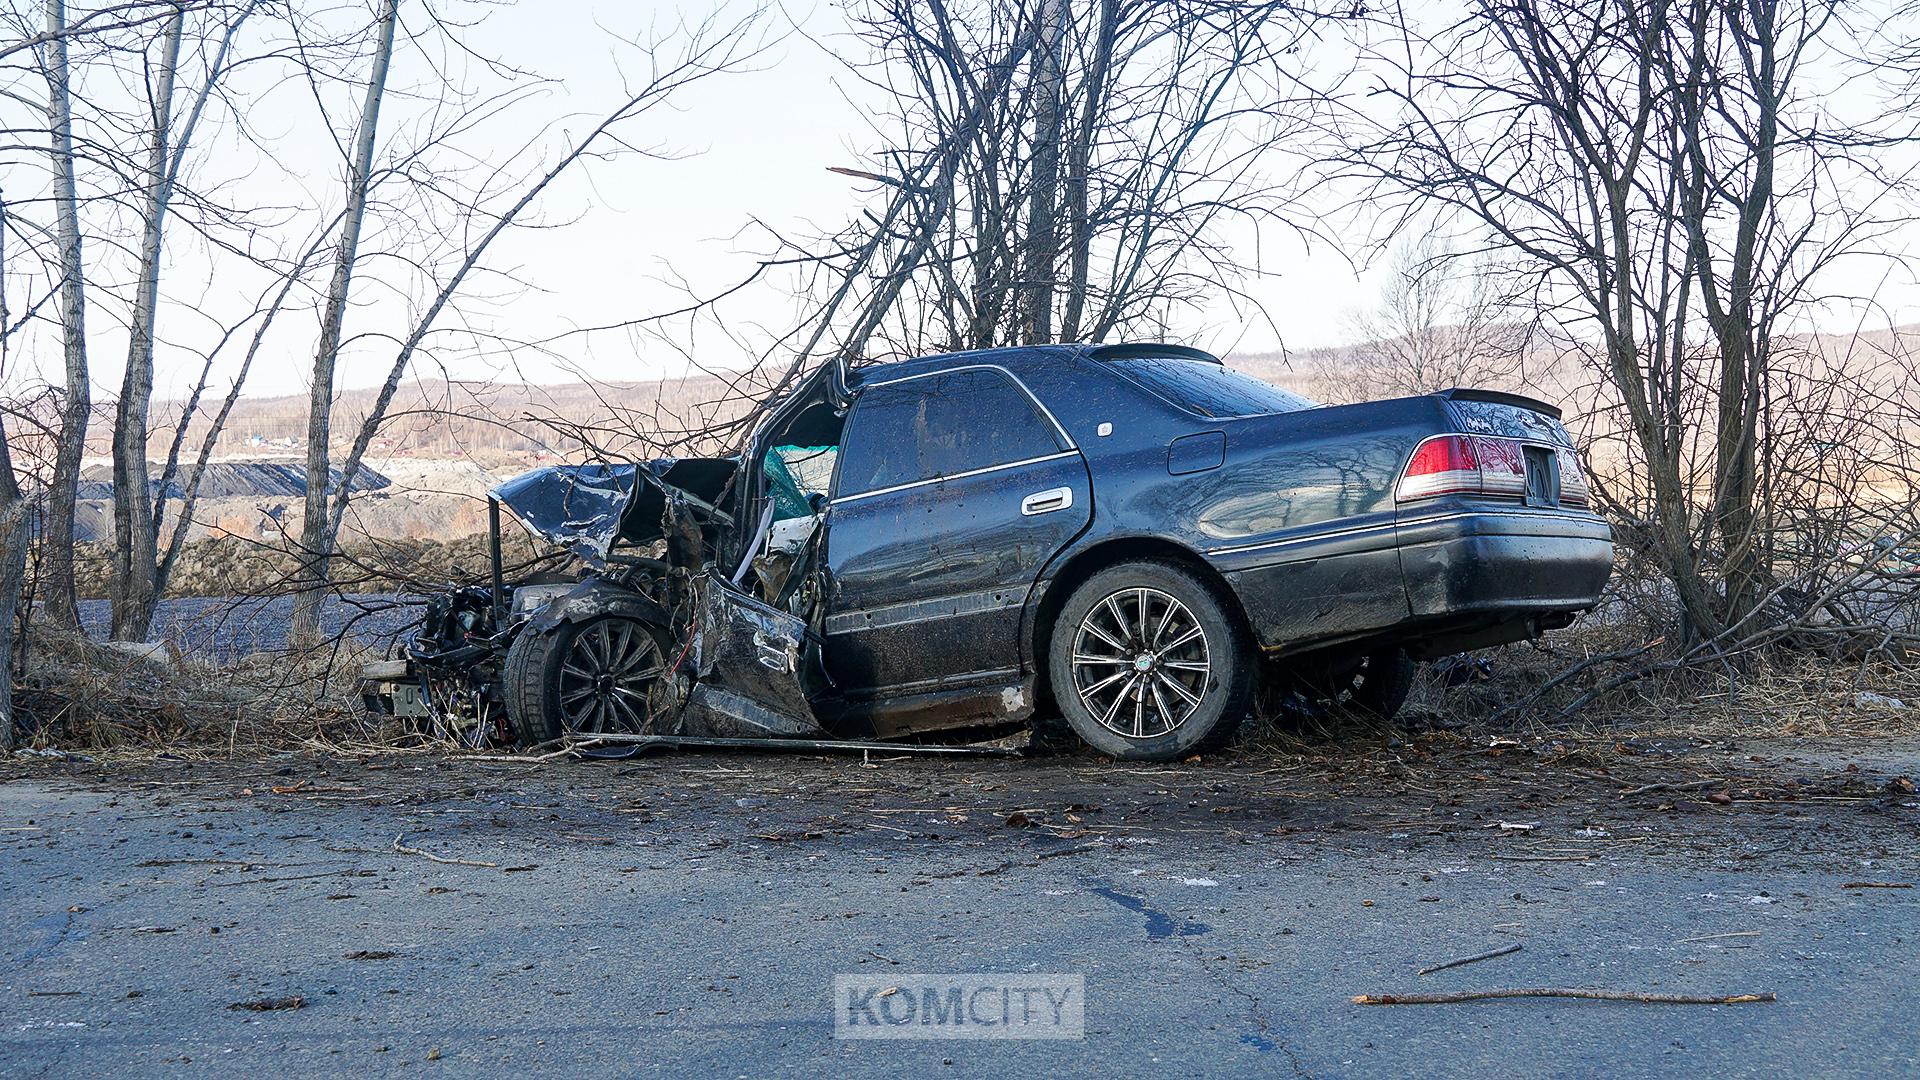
point(1046, 502)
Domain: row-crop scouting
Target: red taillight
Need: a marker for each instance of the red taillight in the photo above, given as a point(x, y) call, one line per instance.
point(1474, 465)
point(1573, 480)
point(1444, 465)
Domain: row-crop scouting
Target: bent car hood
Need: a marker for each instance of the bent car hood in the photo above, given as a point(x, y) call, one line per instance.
point(589, 508)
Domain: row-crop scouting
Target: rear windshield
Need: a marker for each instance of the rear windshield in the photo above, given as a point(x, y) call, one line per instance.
point(1209, 389)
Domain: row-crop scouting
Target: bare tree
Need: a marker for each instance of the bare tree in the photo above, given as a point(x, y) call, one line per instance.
point(1043, 237)
point(1440, 321)
point(1091, 158)
point(1656, 167)
point(314, 532)
point(77, 407)
point(704, 50)
point(15, 522)
point(136, 509)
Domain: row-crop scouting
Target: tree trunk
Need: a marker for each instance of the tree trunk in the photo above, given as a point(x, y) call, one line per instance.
point(77, 408)
point(316, 543)
point(1043, 233)
point(135, 589)
point(1079, 161)
point(1742, 339)
point(13, 563)
point(15, 515)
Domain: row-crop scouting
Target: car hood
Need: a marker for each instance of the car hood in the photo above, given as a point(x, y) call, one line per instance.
point(589, 508)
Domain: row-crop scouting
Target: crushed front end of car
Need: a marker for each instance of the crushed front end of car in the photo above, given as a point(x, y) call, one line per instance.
point(646, 636)
point(673, 619)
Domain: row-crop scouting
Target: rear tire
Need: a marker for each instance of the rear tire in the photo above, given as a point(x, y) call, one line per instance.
point(587, 678)
point(1387, 682)
point(1373, 687)
point(1149, 662)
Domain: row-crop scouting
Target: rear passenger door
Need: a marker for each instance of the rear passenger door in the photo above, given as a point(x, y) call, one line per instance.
point(953, 490)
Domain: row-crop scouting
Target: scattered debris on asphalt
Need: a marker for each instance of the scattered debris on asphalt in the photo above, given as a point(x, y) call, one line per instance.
point(270, 1004)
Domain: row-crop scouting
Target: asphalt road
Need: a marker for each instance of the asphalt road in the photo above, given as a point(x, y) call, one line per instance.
point(686, 916)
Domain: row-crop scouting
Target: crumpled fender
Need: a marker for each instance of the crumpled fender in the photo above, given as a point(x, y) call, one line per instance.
point(593, 598)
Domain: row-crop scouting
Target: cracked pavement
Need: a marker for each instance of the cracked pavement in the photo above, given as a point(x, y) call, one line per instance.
point(686, 915)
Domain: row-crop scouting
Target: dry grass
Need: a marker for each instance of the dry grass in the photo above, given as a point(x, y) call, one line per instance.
point(78, 695)
point(1778, 693)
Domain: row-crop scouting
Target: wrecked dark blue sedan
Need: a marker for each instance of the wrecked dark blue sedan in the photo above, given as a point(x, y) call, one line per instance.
point(1132, 539)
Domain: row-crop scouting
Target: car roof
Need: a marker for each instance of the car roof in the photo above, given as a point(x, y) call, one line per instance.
point(1019, 356)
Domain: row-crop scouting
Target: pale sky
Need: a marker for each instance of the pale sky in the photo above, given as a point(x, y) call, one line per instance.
point(754, 145)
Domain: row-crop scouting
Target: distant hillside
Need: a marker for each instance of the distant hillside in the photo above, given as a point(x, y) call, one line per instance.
point(500, 423)
point(460, 420)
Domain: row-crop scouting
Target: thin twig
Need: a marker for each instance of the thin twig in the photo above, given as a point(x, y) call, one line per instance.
point(405, 850)
point(1694, 786)
point(1448, 997)
point(1474, 959)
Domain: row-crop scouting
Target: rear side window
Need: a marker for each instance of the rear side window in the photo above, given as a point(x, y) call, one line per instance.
point(1209, 389)
point(938, 426)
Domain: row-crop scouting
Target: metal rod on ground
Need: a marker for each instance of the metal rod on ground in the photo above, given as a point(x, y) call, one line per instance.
point(790, 745)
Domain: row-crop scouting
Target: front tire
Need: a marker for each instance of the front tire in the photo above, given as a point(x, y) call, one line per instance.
point(593, 677)
point(1148, 662)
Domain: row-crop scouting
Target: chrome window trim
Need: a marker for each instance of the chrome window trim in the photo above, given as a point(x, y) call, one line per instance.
point(839, 499)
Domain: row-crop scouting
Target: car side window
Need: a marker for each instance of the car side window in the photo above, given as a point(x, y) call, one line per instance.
point(938, 426)
point(877, 449)
point(977, 419)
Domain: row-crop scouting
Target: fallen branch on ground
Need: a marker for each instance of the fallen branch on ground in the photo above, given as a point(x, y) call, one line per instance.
point(405, 850)
point(1716, 937)
point(1474, 959)
point(1447, 997)
point(1695, 786)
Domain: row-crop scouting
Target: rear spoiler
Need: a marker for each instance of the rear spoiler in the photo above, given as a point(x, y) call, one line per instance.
point(1146, 350)
point(1500, 397)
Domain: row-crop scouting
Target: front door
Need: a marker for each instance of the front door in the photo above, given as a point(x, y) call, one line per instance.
point(953, 490)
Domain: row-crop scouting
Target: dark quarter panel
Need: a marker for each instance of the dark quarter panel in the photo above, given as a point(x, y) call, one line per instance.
point(1299, 517)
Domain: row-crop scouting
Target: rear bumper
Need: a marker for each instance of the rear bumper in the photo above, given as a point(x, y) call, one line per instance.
point(1507, 561)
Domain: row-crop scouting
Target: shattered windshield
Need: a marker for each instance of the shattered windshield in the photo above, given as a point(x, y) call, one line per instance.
point(1209, 389)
